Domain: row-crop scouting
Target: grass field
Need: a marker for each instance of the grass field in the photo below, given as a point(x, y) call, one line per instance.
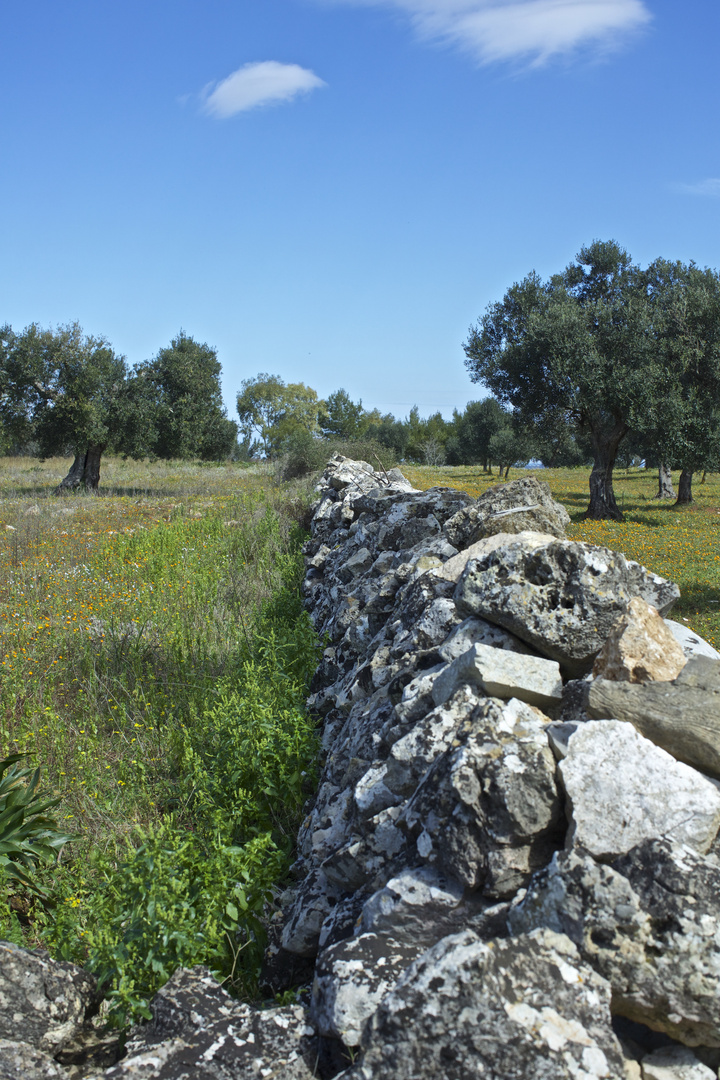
point(139, 671)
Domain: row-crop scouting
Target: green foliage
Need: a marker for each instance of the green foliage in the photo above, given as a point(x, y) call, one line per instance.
point(275, 411)
point(305, 453)
point(342, 417)
point(62, 388)
point(29, 836)
point(178, 409)
point(177, 901)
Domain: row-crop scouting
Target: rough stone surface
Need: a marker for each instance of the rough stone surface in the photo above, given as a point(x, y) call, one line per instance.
point(675, 1063)
point(644, 793)
point(351, 979)
point(487, 812)
point(561, 597)
point(640, 648)
point(198, 1032)
point(682, 716)
point(649, 923)
point(20, 1061)
point(502, 674)
point(521, 505)
point(526, 1007)
point(41, 1002)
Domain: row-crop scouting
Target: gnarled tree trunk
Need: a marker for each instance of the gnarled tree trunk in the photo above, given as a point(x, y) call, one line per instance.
point(84, 472)
point(665, 488)
point(684, 495)
point(602, 497)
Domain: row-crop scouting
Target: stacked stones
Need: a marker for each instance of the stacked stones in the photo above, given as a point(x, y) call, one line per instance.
point(510, 868)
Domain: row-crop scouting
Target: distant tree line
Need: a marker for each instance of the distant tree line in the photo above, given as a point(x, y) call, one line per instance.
point(604, 363)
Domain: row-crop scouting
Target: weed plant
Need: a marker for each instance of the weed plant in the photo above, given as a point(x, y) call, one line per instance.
point(154, 660)
point(682, 543)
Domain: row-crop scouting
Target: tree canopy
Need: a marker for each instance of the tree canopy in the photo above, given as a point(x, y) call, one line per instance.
point(602, 347)
point(273, 411)
point(179, 412)
point(66, 391)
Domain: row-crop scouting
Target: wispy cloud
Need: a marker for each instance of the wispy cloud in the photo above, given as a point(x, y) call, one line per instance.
point(527, 30)
point(710, 187)
point(265, 83)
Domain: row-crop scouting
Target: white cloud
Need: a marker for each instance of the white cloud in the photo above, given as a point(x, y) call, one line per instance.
point(711, 187)
point(534, 30)
point(265, 83)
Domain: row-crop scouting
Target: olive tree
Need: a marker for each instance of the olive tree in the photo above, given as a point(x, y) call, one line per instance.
point(586, 349)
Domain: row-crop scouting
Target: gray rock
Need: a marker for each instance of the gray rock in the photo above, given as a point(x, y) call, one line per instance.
point(351, 979)
point(561, 597)
point(474, 631)
point(690, 642)
point(498, 673)
point(198, 1032)
point(468, 1008)
point(42, 1002)
point(682, 716)
point(521, 505)
point(649, 923)
point(20, 1061)
point(558, 734)
point(413, 902)
point(675, 1063)
point(643, 792)
point(312, 904)
point(487, 812)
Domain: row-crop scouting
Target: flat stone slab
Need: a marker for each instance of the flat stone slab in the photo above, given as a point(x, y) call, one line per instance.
point(502, 674)
point(622, 789)
point(682, 716)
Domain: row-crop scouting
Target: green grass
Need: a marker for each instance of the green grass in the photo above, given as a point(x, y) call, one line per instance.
point(154, 659)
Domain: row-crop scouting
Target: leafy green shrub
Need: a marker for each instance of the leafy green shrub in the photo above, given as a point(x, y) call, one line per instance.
point(304, 454)
point(179, 901)
point(28, 835)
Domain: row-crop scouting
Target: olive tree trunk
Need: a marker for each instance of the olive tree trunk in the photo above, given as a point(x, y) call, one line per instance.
point(665, 487)
point(684, 495)
point(84, 472)
point(602, 497)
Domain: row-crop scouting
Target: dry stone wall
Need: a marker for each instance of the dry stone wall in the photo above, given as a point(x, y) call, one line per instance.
point(510, 868)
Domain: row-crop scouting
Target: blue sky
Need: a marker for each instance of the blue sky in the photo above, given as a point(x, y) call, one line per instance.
point(333, 190)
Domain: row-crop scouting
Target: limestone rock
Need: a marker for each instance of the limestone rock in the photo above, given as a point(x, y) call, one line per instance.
point(561, 597)
point(649, 923)
point(419, 905)
point(682, 716)
point(487, 811)
point(474, 631)
point(454, 568)
point(198, 1032)
point(502, 674)
point(675, 1063)
point(690, 642)
point(351, 979)
point(312, 904)
point(42, 1002)
point(469, 1008)
point(640, 648)
point(622, 789)
point(521, 505)
point(20, 1061)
